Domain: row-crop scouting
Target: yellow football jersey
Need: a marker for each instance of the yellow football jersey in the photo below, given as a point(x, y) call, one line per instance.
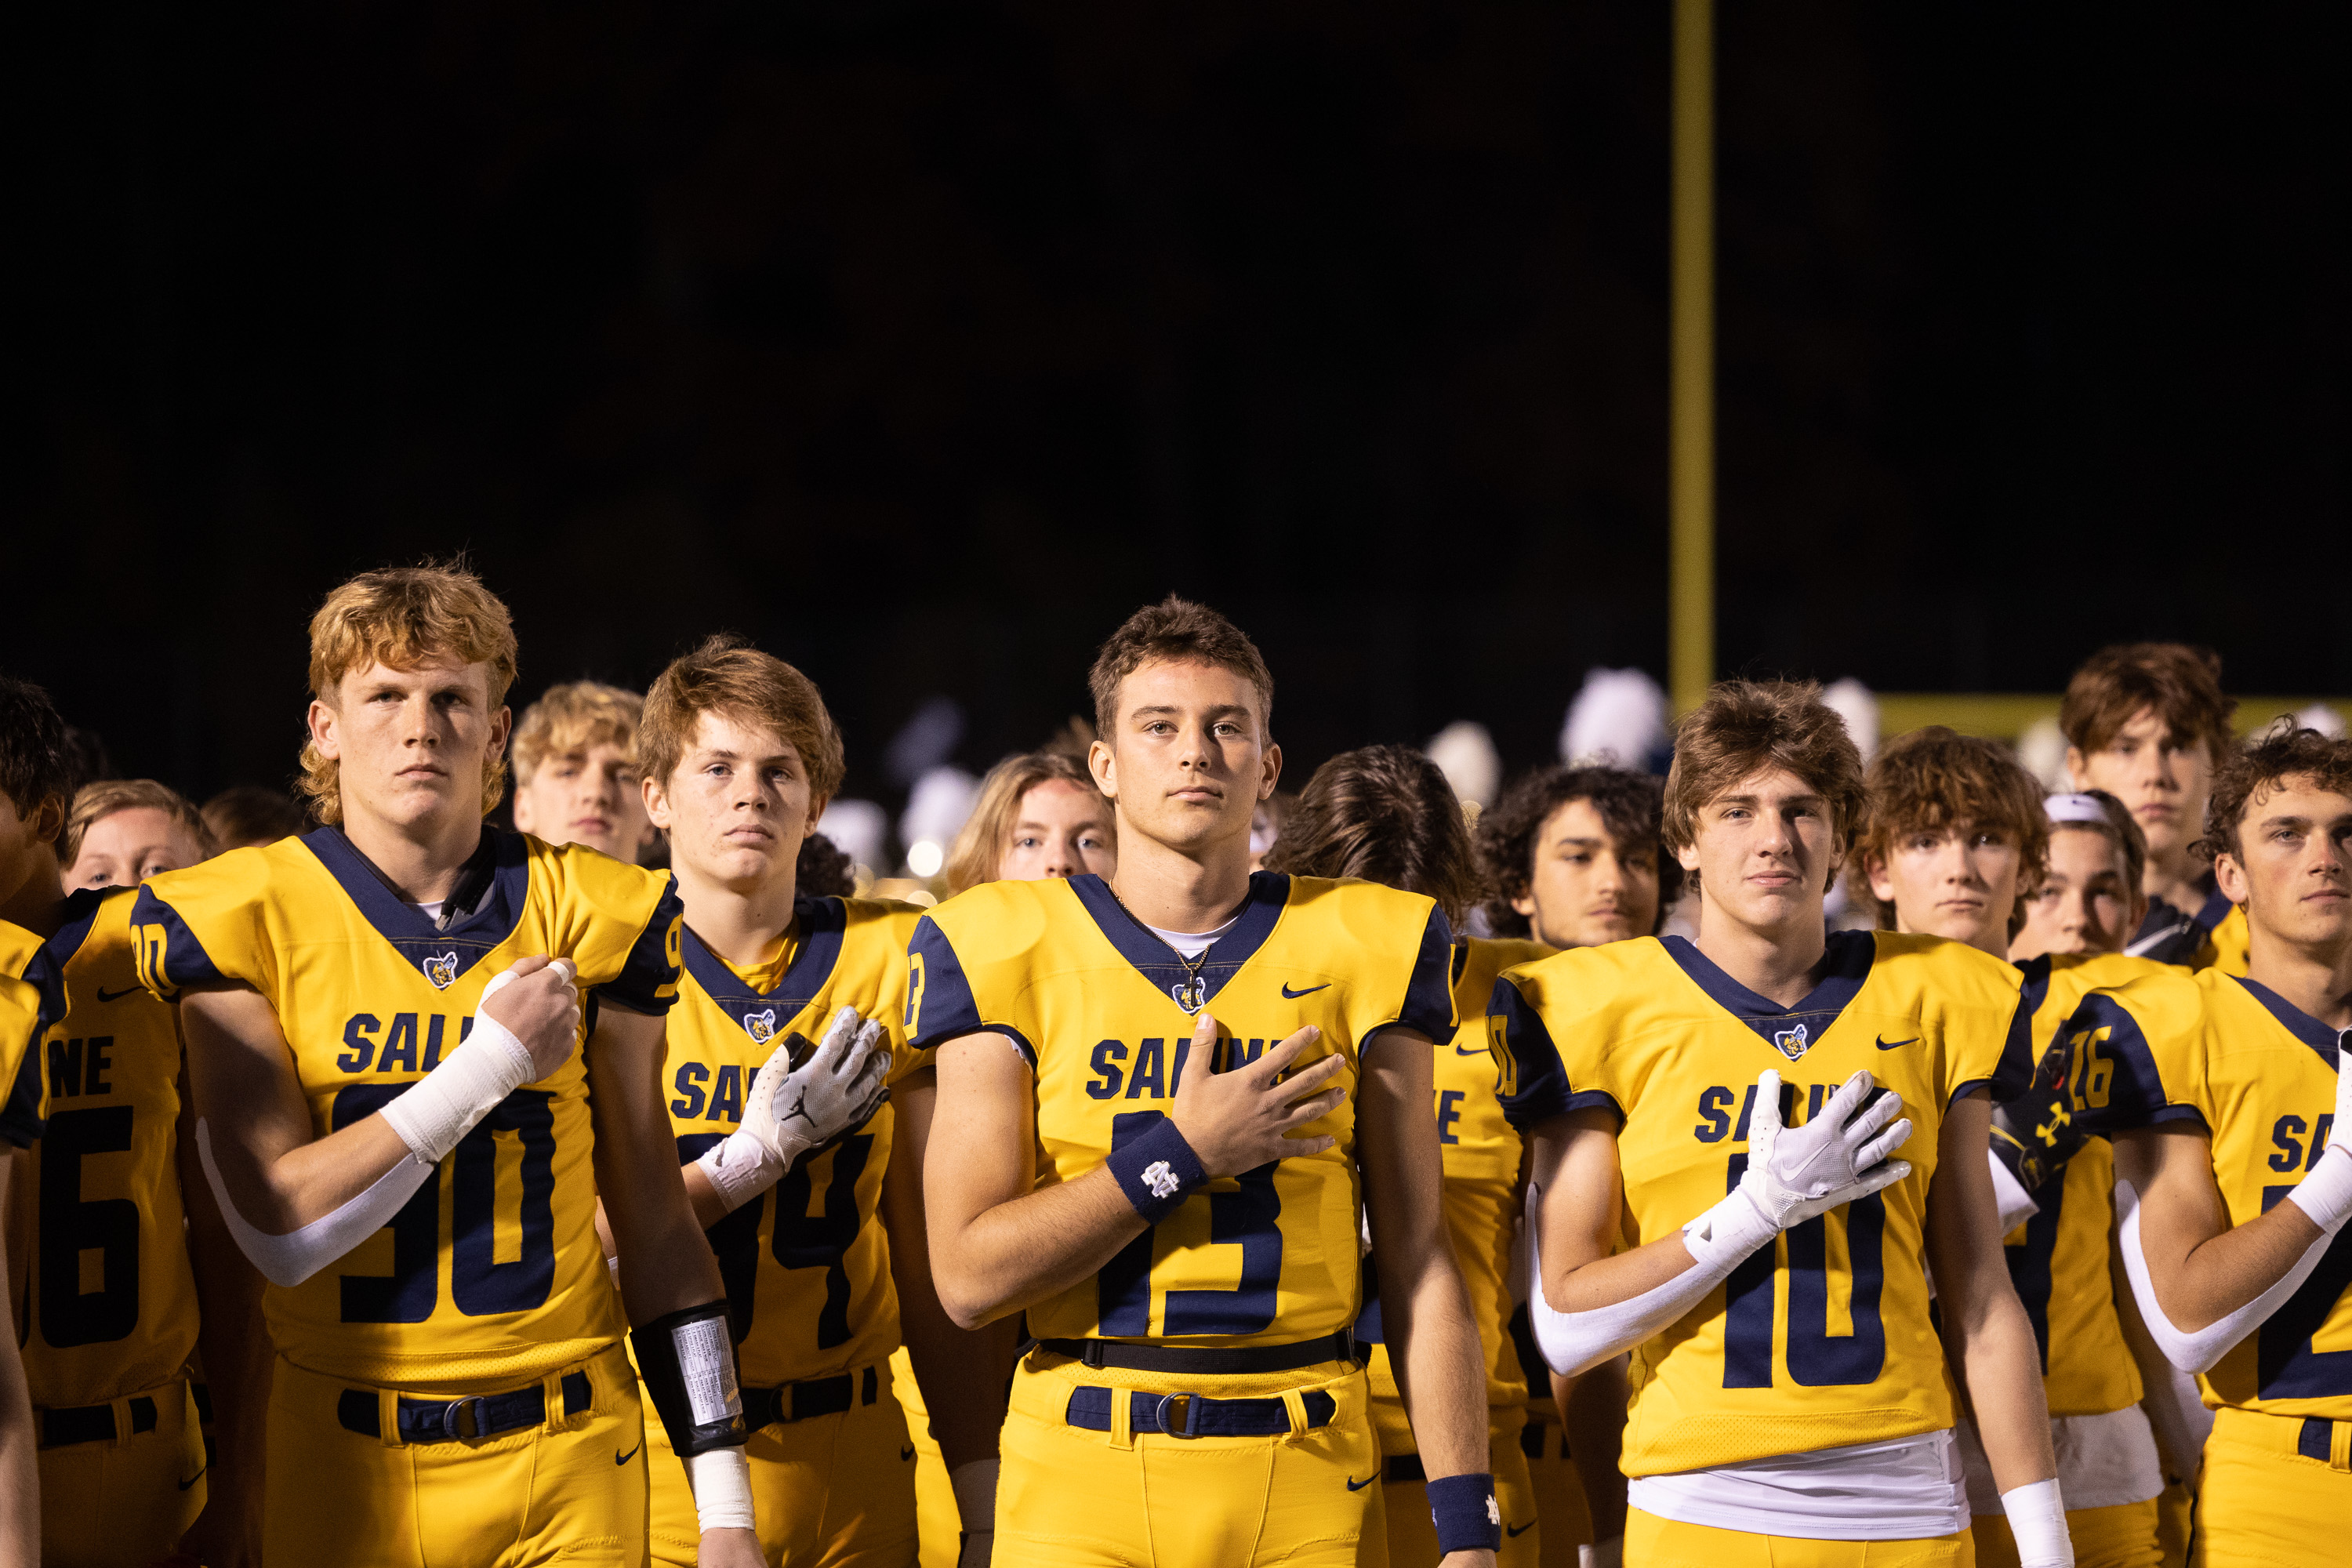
point(110, 1303)
point(1104, 1012)
point(32, 997)
point(1481, 1150)
point(807, 1265)
point(492, 1273)
point(2228, 944)
point(1824, 1339)
point(2258, 1075)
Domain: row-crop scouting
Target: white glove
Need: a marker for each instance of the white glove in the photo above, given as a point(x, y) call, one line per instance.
point(793, 1108)
point(2326, 1191)
point(1796, 1173)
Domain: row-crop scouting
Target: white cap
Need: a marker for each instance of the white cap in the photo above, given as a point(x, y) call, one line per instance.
point(2075, 808)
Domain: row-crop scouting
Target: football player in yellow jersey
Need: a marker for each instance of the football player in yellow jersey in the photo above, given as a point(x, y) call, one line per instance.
point(1191, 1268)
point(119, 832)
point(408, 1120)
point(2147, 723)
point(30, 998)
point(1386, 814)
point(2223, 1094)
point(823, 1265)
point(1792, 1397)
point(106, 1351)
point(1574, 859)
point(1954, 826)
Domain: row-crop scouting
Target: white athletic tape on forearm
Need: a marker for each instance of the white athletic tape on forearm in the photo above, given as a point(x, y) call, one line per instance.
point(739, 1168)
point(442, 1106)
point(975, 1485)
point(2199, 1350)
point(2037, 1520)
point(720, 1480)
point(2326, 1191)
point(1571, 1342)
point(291, 1259)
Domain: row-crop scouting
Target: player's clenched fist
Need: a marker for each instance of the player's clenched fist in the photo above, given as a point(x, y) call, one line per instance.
point(1240, 1120)
point(535, 1001)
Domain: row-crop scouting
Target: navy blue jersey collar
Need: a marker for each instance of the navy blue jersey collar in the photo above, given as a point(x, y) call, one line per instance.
point(817, 923)
point(1790, 1030)
point(442, 956)
point(81, 914)
point(1158, 962)
point(2327, 1042)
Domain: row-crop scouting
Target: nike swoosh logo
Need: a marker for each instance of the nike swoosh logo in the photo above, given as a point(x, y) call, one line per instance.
point(906, 1453)
point(106, 995)
point(1515, 1531)
point(1892, 1044)
point(625, 1459)
point(192, 1481)
point(1288, 995)
point(1368, 1481)
point(1472, 1051)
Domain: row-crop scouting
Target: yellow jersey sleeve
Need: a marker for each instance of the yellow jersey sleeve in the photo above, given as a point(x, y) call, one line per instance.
point(32, 997)
point(619, 925)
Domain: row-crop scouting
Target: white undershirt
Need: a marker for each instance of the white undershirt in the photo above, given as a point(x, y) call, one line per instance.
point(1191, 945)
point(431, 911)
point(2103, 1461)
point(1903, 1490)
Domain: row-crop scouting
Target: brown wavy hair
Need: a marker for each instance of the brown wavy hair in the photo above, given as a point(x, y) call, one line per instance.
point(1747, 725)
point(2182, 684)
point(1631, 806)
point(400, 616)
point(1936, 778)
point(2254, 772)
point(1176, 631)
point(728, 674)
point(1384, 814)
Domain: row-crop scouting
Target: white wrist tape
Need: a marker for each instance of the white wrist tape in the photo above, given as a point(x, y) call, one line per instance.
point(439, 1109)
point(720, 1479)
point(740, 1168)
point(1571, 1342)
point(2198, 1351)
point(2016, 1205)
point(2326, 1191)
point(2037, 1522)
point(291, 1259)
point(974, 1482)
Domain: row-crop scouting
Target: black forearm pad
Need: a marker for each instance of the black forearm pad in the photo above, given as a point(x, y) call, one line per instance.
point(2035, 1136)
point(687, 1359)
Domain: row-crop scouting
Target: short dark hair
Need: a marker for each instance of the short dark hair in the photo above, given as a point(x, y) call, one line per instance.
point(1176, 631)
point(2252, 772)
point(36, 763)
point(1632, 806)
point(2180, 682)
point(1936, 778)
point(255, 813)
point(1384, 814)
point(823, 872)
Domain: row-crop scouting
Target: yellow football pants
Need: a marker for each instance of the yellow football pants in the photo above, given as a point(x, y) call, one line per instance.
point(569, 1490)
point(1558, 1489)
point(937, 1521)
point(2263, 1502)
point(835, 1490)
point(1413, 1534)
point(128, 1499)
point(1656, 1542)
point(2123, 1536)
point(1068, 1497)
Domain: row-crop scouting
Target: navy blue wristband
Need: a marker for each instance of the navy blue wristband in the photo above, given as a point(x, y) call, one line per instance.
point(1467, 1516)
point(1156, 1171)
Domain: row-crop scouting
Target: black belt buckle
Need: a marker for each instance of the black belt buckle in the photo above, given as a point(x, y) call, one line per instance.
point(1182, 1428)
point(462, 1419)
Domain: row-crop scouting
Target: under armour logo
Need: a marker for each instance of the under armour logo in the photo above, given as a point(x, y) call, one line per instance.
point(1191, 995)
point(441, 968)
point(760, 1026)
point(1160, 1179)
point(1790, 1041)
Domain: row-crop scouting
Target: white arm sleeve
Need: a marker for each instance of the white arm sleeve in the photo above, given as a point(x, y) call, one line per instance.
point(292, 1258)
point(1572, 1342)
point(2199, 1350)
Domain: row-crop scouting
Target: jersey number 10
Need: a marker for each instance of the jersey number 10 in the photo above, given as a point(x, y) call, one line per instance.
point(1817, 1358)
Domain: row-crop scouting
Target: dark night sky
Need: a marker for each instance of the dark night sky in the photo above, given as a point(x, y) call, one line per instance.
point(921, 341)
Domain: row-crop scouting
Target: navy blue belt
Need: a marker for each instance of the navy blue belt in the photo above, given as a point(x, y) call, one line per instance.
point(2313, 1440)
point(92, 1422)
point(456, 1420)
point(1196, 1416)
point(818, 1396)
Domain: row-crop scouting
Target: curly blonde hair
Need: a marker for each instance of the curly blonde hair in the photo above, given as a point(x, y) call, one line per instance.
point(399, 616)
